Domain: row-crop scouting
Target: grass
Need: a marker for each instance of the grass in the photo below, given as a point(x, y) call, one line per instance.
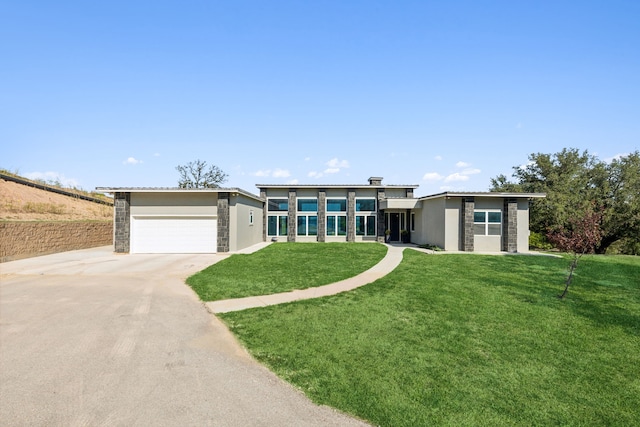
point(282, 267)
point(465, 340)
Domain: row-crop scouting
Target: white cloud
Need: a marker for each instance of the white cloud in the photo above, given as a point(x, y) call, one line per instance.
point(332, 170)
point(156, 154)
point(337, 164)
point(438, 158)
point(314, 174)
point(432, 176)
point(276, 173)
point(281, 173)
point(262, 173)
point(470, 171)
point(306, 159)
point(131, 161)
point(52, 177)
point(519, 126)
point(292, 182)
point(616, 157)
point(456, 177)
point(463, 165)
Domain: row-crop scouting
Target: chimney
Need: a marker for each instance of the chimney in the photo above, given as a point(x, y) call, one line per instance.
point(375, 180)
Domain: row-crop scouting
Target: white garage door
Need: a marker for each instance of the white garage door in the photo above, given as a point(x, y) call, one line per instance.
point(172, 235)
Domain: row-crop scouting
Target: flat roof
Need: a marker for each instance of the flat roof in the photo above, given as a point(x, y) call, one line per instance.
point(486, 194)
point(176, 190)
point(334, 186)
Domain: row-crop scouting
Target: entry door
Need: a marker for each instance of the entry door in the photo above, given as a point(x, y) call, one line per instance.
point(394, 226)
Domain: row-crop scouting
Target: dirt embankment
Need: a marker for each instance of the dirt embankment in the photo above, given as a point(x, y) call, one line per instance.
point(23, 203)
point(37, 222)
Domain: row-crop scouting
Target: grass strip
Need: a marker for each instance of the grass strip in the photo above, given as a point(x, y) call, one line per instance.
point(282, 267)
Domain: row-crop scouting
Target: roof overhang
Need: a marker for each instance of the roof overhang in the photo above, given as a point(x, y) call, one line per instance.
point(487, 194)
point(232, 191)
point(400, 203)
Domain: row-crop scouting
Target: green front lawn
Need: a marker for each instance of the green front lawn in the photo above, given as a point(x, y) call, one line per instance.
point(282, 267)
point(465, 340)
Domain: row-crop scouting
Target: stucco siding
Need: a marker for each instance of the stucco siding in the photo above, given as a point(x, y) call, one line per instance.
point(451, 230)
point(174, 204)
point(433, 222)
point(523, 225)
point(244, 233)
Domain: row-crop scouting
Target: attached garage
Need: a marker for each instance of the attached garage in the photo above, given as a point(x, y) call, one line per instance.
point(151, 234)
point(181, 220)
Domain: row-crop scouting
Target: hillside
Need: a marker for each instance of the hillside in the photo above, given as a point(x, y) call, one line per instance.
point(20, 202)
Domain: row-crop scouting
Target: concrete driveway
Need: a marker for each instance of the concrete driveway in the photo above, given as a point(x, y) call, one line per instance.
point(90, 338)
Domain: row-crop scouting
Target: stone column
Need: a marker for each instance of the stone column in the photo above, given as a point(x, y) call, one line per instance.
point(381, 225)
point(322, 215)
point(510, 225)
point(292, 228)
point(122, 222)
point(468, 206)
point(223, 222)
point(263, 196)
point(351, 215)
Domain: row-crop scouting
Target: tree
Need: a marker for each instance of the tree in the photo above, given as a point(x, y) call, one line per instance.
point(197, 175)
point(572, 180)
point(579, 238)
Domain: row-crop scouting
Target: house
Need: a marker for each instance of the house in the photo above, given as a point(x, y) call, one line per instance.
point(221, 220)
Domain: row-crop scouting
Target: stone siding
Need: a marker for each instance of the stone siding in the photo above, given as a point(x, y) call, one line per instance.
point(122, 234)
point(510, 226)
point(223, 222)
point(24, 239)
point(468, 239)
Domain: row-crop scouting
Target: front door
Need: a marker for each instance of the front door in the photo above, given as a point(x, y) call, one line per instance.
point(394, 226)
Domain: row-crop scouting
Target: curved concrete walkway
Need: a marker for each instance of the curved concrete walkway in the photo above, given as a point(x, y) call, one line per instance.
point(391, 260)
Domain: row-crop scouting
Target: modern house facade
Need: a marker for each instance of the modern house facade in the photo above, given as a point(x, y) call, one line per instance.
point(165, 220)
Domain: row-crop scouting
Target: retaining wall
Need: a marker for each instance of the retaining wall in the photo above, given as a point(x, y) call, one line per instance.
point(24, 239)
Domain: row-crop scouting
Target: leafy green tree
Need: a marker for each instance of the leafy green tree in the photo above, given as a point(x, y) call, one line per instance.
point(572, 182)
point(197, 175)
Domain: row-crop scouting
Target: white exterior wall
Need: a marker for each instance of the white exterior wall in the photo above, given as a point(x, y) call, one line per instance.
point(242, 234)
point(430, 223)
point(523, 225)
point(174, 204)
point(453, 210)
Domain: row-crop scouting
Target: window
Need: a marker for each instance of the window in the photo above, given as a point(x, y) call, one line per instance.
point(487, 223)
point(336, 205)
point(277, 225)
point(413, 221)
point(365, 205)
point(365, 225)
point(307, 205)
point(278, 205)
point(337, 223)
point(307, 217)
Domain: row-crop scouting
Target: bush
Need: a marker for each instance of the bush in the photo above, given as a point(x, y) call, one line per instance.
point(539, 241)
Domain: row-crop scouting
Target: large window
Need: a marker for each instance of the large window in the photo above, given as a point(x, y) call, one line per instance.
point(487, 223)
point(336, 217)
point(278, 205)
point(365, 225)
point(277, 225)
point(307, 217)
point(365, 217)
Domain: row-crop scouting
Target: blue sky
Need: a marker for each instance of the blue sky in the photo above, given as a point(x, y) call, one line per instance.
point(443, 94)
